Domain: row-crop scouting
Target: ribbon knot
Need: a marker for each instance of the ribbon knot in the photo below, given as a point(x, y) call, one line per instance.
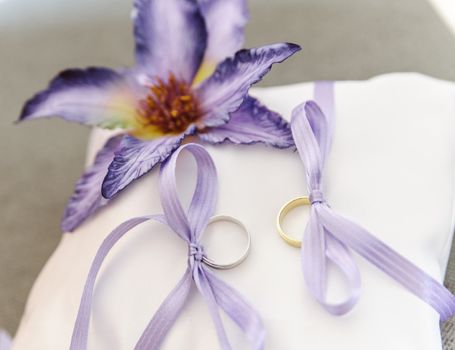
point(189, 226)
point(330, 236)
point(316, 196)
point(196, 253)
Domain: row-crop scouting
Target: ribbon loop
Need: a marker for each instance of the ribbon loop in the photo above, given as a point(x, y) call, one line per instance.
point(331, 237)
point(189, 226)
point(313, 157)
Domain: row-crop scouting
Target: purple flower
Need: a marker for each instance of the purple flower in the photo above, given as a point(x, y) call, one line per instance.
point(188, 80)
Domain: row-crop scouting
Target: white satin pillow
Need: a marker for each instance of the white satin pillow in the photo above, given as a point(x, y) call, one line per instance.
point(391, 170)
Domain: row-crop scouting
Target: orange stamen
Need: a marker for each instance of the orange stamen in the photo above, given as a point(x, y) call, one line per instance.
point(170, 107)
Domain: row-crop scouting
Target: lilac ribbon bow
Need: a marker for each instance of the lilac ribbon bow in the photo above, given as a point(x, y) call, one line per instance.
point(329, 236)
point(188, 226)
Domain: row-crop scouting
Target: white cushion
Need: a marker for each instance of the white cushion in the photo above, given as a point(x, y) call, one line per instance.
point(391, 170)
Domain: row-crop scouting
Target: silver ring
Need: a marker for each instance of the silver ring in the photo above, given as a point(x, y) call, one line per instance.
point(245, 253)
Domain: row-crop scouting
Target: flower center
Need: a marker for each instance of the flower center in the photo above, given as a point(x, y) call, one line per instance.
point(169, 107)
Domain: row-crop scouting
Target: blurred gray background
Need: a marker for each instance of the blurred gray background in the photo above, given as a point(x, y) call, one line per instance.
point(40, 161)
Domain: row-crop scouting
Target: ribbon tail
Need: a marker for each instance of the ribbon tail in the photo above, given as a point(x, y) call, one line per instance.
point(6, 342)
point(239, 310)
point(81, 327)
point(324, 95)
point(318, 246)
point(163, 320)
point(206, 289)
point(392, 263)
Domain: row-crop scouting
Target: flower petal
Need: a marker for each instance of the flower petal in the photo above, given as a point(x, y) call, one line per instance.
point(225, 90)
point(252, 123)
point(93, 96)
point(87, 196)
point(171, 37)
point(225, 20)
point(6, 343)
point(134, 159)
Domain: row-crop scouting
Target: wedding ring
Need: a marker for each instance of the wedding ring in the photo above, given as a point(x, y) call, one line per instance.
point(245, 253)
point(285, 209)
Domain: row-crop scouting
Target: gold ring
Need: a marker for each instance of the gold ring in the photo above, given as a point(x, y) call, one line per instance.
point(285, 209)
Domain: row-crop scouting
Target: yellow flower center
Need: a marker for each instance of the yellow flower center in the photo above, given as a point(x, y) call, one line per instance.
point(169, 108)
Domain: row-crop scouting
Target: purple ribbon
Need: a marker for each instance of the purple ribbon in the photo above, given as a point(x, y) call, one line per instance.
point(329, 236)
point(188, 226)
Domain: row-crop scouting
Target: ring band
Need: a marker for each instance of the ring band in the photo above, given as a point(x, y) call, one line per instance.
point(285, 209)
point(245, 253)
